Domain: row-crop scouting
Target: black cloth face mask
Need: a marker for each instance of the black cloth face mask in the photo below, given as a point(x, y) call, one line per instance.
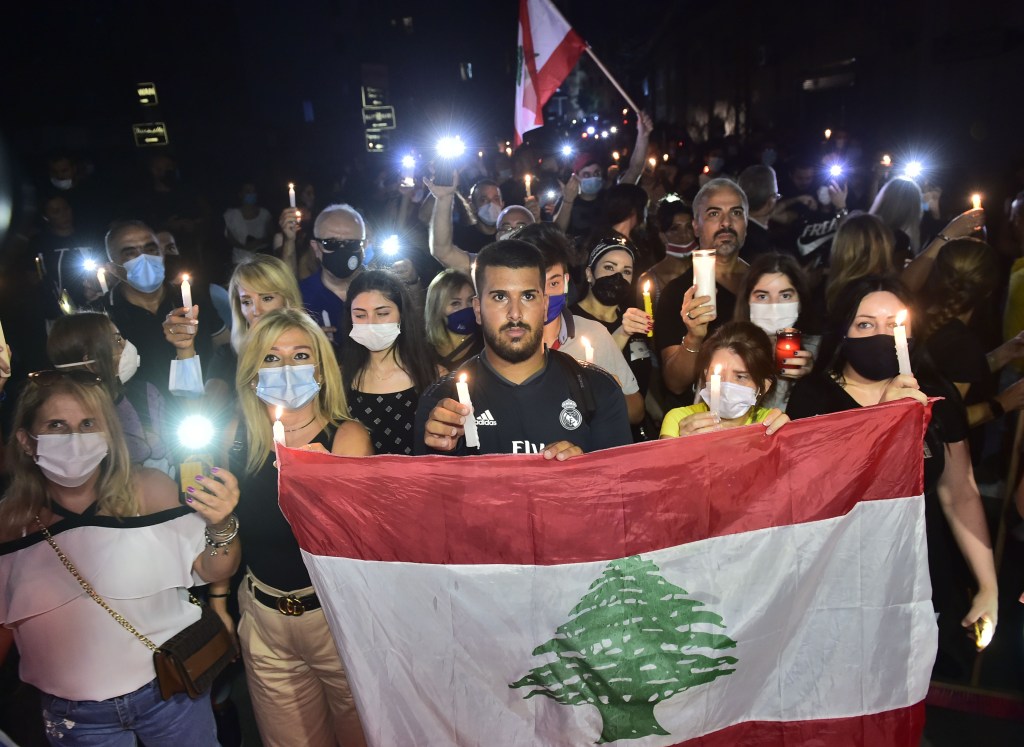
point(873, 357)
point(611, 290)
point(341, 257)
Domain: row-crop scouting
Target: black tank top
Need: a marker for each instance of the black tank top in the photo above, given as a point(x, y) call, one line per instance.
point(269, 547)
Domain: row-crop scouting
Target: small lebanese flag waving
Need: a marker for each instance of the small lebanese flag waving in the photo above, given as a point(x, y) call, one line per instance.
point(724, 589)
point(548, 50)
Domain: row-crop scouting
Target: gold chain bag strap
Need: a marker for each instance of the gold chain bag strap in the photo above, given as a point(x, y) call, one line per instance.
point(189, 661)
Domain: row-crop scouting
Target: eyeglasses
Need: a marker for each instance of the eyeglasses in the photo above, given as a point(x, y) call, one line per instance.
point(341, 245)
point(51, 377)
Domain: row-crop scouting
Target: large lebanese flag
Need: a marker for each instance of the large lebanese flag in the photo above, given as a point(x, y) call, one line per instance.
point(547, 51)
point(725, 589)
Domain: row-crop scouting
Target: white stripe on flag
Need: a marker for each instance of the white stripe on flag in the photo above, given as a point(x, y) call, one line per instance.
point(831, 619)
point(548, 29)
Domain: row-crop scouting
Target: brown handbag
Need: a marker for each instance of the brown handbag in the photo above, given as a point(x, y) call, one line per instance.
point(189, 661)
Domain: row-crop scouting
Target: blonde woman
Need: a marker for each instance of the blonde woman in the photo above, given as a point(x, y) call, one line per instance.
point(296, 680)
point(863, 246)
point(127, 535)
point(452, 330)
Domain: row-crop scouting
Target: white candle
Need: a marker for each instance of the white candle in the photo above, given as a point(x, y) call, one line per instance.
point(588, 350)
point(902, 349)
point(529, 180)
point(472, 437)
point(101, 275)
point(976, 202)
point(327, 318)
point(5, 354)
point(704, 273)
point(291, 195)
point(715, 390)
point(279, 427)
point(186, 295)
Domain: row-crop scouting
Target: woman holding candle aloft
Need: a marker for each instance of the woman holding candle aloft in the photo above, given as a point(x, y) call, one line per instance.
point(964, 278)
point(858, 367)
point(296, 680)
point(737, 366)
point(390, 366)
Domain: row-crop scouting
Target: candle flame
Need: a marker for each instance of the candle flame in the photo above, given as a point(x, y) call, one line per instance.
point(585, 341)
point(707, 169)
point(184, 278)
point(298, 215)
point(901, 317)
point(718, 369)
point(976, 201)
point(653, 161)
point(647, 288)
point(462, 378)
point(279, 413)
point(983, 632)
point(887, 160)
point(291, 185)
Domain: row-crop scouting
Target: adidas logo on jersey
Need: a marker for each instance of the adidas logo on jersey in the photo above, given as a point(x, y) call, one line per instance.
point(485, 418)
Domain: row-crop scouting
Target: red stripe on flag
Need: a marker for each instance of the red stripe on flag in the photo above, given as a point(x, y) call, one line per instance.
point(901, 727)
point(610, 504)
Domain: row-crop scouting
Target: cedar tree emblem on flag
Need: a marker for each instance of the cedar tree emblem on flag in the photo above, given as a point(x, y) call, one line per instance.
point(631, 642)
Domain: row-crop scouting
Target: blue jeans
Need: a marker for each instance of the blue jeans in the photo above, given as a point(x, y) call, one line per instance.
point(115, 722)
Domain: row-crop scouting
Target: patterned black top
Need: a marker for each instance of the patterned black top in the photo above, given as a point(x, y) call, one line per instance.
point(389, 418)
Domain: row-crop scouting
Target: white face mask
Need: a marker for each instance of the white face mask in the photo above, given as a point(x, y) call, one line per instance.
point(488, 213)
point(771, 317)
point(129, 362)
point(680, 251)
point(69, 459)
point(291, 387)
point(62, 184)
point(376, 337)
point(736, 400)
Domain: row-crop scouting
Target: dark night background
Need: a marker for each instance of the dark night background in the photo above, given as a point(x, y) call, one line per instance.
point(237, 80)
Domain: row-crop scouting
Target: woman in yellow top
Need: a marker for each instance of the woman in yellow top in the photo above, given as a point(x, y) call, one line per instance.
point(747, 361)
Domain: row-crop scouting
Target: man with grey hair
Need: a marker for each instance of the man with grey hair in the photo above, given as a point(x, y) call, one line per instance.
point(682, 321)
point(339, 243)
point(761, 187)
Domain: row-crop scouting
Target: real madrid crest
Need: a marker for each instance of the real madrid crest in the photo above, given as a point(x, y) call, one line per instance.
point(571, 418)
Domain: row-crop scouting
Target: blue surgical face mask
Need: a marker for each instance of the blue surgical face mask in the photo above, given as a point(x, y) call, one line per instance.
point(145, 273)
point(463, 321)
point(488, 213)
point(591, 185)
point(555, 306)
point(291, 387)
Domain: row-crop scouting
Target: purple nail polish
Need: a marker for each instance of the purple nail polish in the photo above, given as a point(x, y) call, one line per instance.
point(188, 498)
point(214, 470)
point(190, 489)
point(199, 478)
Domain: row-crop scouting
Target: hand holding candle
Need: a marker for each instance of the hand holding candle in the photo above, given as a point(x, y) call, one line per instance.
point(648, 306)
point(291, 195)
point(279, 426)
point(902, 347)
point(101, 276)
point(469, 428)
point(704, 274)
point(715, 390)
point(983, 632)
point(528, 179)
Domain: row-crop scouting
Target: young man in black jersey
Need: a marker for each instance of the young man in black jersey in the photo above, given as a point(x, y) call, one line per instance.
point(526, 399)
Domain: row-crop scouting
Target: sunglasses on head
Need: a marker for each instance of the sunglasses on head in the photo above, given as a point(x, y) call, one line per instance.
point(51, 377)
point(343, 245)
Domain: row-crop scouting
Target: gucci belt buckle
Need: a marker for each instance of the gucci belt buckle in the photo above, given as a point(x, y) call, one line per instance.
point(290, 605)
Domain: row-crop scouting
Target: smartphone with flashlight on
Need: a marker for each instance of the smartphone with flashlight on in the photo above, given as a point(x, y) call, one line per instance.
point(449, 151)
point(195, 442)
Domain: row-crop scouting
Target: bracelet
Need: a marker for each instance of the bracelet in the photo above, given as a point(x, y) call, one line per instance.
point(217, 539)
point(997, 409)
point(218, 596)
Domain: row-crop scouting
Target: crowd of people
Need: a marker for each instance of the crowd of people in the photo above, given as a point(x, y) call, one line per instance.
point(574, 297)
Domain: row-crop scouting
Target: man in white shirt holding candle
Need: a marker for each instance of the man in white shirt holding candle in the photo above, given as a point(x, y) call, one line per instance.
point(684, 318)
point(526, 399)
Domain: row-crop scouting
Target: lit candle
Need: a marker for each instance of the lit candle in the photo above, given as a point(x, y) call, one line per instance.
point(5, 354)
point(664, 157)
point(976, 201)
point(983, 632)
point(715, 390)
point(39, 265)
point(652, 161)
point(472, 437)
point(828, 134)
point(704, 273)
point(279, 427)
point(529, 180)
point(65, 303)
point(648, 306)
point(298, 215)
point(902, 349)
point(327, 318)
point(588, 350)
point(101, 275)
point(291, 195)
point(887, 160)
point(616, 156)
point(186, 295)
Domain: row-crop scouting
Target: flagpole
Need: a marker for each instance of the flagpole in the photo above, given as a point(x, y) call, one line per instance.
point(614, 82)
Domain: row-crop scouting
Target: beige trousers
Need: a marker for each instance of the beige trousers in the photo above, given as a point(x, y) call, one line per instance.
point(297, 683)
